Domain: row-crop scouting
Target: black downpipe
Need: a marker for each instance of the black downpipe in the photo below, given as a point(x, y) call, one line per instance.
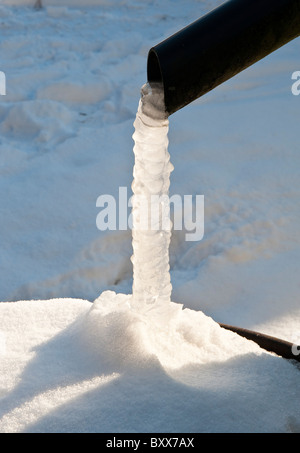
point(219, 45)
point(280, 347)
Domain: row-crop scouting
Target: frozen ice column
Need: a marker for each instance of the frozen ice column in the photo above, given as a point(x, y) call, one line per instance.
point(151, 226)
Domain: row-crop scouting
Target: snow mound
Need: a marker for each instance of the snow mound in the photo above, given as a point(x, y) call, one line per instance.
point(175, 338)
point(71, 366)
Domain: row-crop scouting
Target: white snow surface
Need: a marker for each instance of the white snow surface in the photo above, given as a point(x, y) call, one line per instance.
point(75, 357)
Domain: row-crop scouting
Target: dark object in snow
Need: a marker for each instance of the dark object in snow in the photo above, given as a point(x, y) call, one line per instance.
point(38, 4)
point(219, 45)
point(272, 344)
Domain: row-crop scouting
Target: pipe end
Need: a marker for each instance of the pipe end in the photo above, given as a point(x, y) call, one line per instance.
point(154, 74)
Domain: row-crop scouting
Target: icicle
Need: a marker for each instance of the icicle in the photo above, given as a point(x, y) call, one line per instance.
point(151, 229)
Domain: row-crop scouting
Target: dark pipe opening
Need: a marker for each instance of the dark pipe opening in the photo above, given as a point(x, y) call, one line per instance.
point(154, 71)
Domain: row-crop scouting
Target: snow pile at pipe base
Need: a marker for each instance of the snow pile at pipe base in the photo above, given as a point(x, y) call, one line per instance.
point(71, 366)
point(124, 337)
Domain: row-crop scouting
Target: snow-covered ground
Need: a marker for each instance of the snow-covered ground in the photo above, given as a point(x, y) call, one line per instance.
point(74, 70)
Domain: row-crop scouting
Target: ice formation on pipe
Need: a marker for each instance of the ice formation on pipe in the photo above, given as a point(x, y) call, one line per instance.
point(151, 225)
